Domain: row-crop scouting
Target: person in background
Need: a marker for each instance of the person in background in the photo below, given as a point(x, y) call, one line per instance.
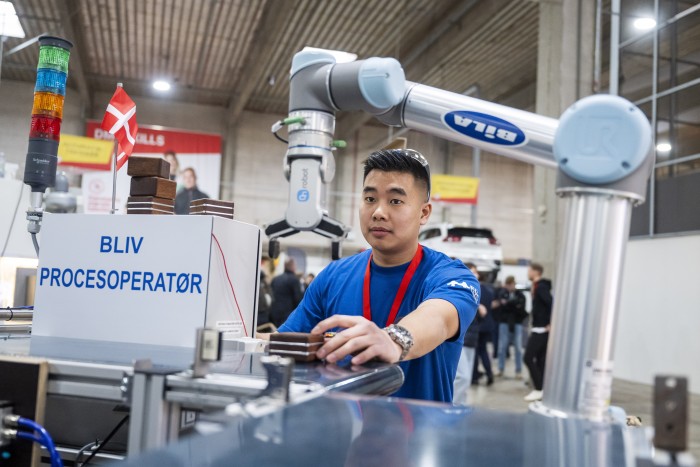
point(189, 192)
point(465, 367)
point(170, 156)
point(536, 351)
point(495, 316)
point(264, 293)
point(486, 325)
point(511, 303)
point(286, 293)
point(308, 279)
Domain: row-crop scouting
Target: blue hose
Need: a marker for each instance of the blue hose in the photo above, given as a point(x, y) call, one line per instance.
point(43, 438)
point(39, 440)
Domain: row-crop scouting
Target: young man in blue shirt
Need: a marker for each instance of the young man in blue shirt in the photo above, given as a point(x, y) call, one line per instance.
point(398, 302)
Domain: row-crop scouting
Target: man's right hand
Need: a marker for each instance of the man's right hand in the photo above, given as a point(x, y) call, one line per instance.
point(360, 337)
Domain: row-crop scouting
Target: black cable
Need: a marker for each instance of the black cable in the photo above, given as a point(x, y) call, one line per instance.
point(109, 436)
point(85, 448)
point(12, 224)
point(280, 138)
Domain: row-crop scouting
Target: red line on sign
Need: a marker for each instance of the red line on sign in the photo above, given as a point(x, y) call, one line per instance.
point(223, 258)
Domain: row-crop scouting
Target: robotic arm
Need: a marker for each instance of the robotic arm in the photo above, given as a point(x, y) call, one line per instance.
point(602, 150)
point(318, 88)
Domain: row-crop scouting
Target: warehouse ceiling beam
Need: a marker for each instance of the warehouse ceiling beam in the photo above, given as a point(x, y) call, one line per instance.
point(432, 51)
point(72, 30)
point(273, 19)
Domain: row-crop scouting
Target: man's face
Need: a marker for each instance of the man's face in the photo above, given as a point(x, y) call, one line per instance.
point(172, 161)
point(532, 274)
point(475, 272)
point(510, 286)
point(189, 179)
point(393, 209)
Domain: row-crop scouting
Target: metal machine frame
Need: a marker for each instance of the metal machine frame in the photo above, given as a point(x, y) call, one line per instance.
point(163, 401)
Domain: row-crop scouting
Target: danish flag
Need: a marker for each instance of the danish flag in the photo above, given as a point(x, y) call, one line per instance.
point(120, 121)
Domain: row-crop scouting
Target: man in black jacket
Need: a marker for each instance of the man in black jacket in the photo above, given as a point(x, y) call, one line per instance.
point(189, 192)
point(465, 367)
point(511, 304)
point(536, 351)
point(286, 293)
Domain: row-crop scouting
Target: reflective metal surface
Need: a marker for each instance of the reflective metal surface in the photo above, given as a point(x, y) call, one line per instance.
point(579, 366)
point(345, 430)
point(425, 108)
point(84, 362)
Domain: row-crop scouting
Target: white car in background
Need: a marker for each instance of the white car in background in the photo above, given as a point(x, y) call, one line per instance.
point(467, 244)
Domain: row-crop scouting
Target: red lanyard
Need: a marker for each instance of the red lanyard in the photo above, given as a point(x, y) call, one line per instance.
point(408, 275)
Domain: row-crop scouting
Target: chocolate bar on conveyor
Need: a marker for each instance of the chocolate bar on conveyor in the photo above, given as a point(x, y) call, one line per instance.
point(150, 201)
point(162, 209)
point(302, 347)
point(130, 210)
point(148, 167)
point(228, 214)
point(153, 186)
point(211, 203)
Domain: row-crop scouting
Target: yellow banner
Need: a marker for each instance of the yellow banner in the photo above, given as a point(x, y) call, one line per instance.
point(454, 189)
point(84, 152)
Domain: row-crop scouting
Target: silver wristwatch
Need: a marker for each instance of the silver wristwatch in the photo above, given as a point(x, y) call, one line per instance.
point(401, 336)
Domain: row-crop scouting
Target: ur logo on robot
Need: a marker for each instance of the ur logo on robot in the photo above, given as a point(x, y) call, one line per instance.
point(484, 127)
point(303, 194)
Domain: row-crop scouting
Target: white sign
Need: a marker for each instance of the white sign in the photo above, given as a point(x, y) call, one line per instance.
point(145, 279)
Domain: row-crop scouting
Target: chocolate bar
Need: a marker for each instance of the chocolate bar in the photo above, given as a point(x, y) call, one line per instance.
point(130, 210)
point(148, 167)
point(150, 199)
point(159, 207)
point(211, 209)
point(302, 347)
point(211, 203)
point(151, 205)
point(212, 212)
point(153, 186)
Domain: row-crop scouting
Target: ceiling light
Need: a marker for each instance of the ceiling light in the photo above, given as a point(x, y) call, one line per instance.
point(161, 85)
point(9, 22)
point(340, 56)
point(663, 147)
point(644, 24)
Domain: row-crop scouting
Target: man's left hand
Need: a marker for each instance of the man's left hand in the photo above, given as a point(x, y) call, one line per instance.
point(360, 336)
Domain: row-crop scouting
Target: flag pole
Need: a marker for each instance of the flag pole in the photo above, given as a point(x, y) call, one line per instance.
point(114, 169)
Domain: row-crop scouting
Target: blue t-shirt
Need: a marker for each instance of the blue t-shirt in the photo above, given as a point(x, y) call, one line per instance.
point(338, 291)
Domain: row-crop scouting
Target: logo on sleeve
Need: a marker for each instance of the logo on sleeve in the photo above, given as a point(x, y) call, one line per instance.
point(463, 284)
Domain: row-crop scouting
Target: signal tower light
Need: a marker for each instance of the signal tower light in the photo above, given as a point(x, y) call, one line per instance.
point(45, 128)
point(47, 114)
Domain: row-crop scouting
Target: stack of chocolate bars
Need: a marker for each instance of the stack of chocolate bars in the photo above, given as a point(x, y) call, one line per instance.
point(302, 347)
point(152, 191)
point(212, 207)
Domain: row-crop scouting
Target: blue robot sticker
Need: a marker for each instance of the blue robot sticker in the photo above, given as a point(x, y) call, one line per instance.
point(484, 127)
point(303, 196)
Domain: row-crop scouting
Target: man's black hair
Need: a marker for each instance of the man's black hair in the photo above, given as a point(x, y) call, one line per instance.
point(400, 160)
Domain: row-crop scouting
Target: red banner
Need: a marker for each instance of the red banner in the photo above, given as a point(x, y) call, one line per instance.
point(157, 140)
